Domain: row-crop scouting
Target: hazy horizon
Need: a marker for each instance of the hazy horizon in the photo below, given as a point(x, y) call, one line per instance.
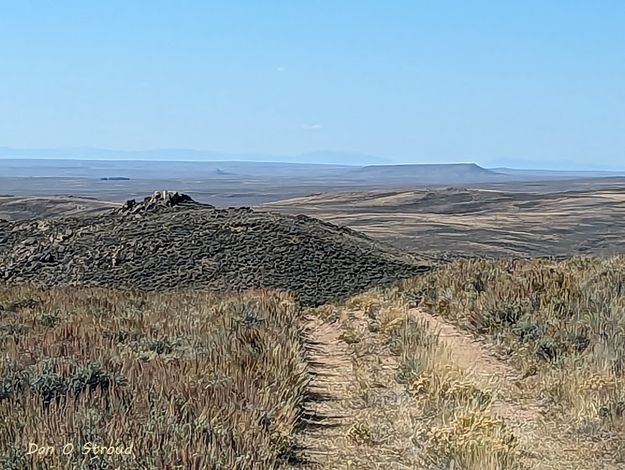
point(525, 85)
point(321, 157)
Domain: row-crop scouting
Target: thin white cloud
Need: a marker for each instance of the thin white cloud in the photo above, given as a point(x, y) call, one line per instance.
point(311, 127)
point(281, 69)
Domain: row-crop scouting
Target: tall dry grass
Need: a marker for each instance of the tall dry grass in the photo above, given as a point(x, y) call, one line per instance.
point(445, 419)
point(187, 380)
point(562, 323)
point(457, 427)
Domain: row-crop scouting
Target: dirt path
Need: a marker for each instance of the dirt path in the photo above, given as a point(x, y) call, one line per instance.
point(356, 417)
point(524, 414)
point(468, 352)
point(326, 414)
point(475, 357)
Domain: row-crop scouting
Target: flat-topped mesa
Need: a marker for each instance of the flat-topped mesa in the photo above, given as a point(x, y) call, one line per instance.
point(158, 200)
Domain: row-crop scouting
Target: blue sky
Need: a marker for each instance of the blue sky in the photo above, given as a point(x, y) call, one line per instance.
point(525, 83)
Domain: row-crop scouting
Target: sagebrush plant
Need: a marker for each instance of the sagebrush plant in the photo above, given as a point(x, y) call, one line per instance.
point(211, 381)
point(559, 308)
point(474, 441)
point(449, 388)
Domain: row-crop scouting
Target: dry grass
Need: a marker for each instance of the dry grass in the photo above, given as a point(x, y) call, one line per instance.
point(455, 425)
point(218, 381)
point(412, 405)
point(561, 324)
point(507, 221)
point(187, 380)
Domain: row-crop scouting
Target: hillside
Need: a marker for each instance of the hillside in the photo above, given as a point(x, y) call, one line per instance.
point(186, 380)
point(28, 207)
point(163, 324)
point(155, 246)
point(478, 222)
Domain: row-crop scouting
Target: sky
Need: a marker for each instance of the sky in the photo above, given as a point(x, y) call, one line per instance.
point(528, 83)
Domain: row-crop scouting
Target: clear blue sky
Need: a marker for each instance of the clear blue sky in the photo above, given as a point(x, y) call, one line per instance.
point(495, 82)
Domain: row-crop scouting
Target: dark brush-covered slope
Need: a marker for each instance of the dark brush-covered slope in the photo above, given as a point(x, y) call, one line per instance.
point(152, 246)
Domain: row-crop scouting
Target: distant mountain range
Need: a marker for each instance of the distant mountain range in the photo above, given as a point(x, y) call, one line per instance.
point(193, 164)
point(173, 154)
point(324, 157)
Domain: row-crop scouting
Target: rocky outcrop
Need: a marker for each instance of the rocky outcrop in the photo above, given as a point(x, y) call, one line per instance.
point(159, 200)
point(169, 242)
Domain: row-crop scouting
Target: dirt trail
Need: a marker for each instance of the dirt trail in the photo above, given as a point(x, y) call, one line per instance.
point(354, 389)
point(327, 417)
point(523, 413)
point(474, 356)
point(356, 404)
point(468, 352)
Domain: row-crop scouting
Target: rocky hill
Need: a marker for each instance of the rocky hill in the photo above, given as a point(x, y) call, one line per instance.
point(169, 241)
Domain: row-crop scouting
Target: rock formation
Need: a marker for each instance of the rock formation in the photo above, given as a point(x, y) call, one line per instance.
point(158, 200)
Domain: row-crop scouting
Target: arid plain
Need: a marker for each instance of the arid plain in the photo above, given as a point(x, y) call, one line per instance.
point(478, 222)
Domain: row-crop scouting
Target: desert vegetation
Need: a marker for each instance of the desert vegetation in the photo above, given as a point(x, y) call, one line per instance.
point(498, 221)
point(457, 425)
point(185, 380)
point(478, 364)
point(418, 399)
point(161, 245)
point(561, 324)
point(484, 364)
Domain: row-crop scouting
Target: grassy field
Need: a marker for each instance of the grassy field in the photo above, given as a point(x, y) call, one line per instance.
point(509, 364)
point(186, 380)
point(500, 222)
